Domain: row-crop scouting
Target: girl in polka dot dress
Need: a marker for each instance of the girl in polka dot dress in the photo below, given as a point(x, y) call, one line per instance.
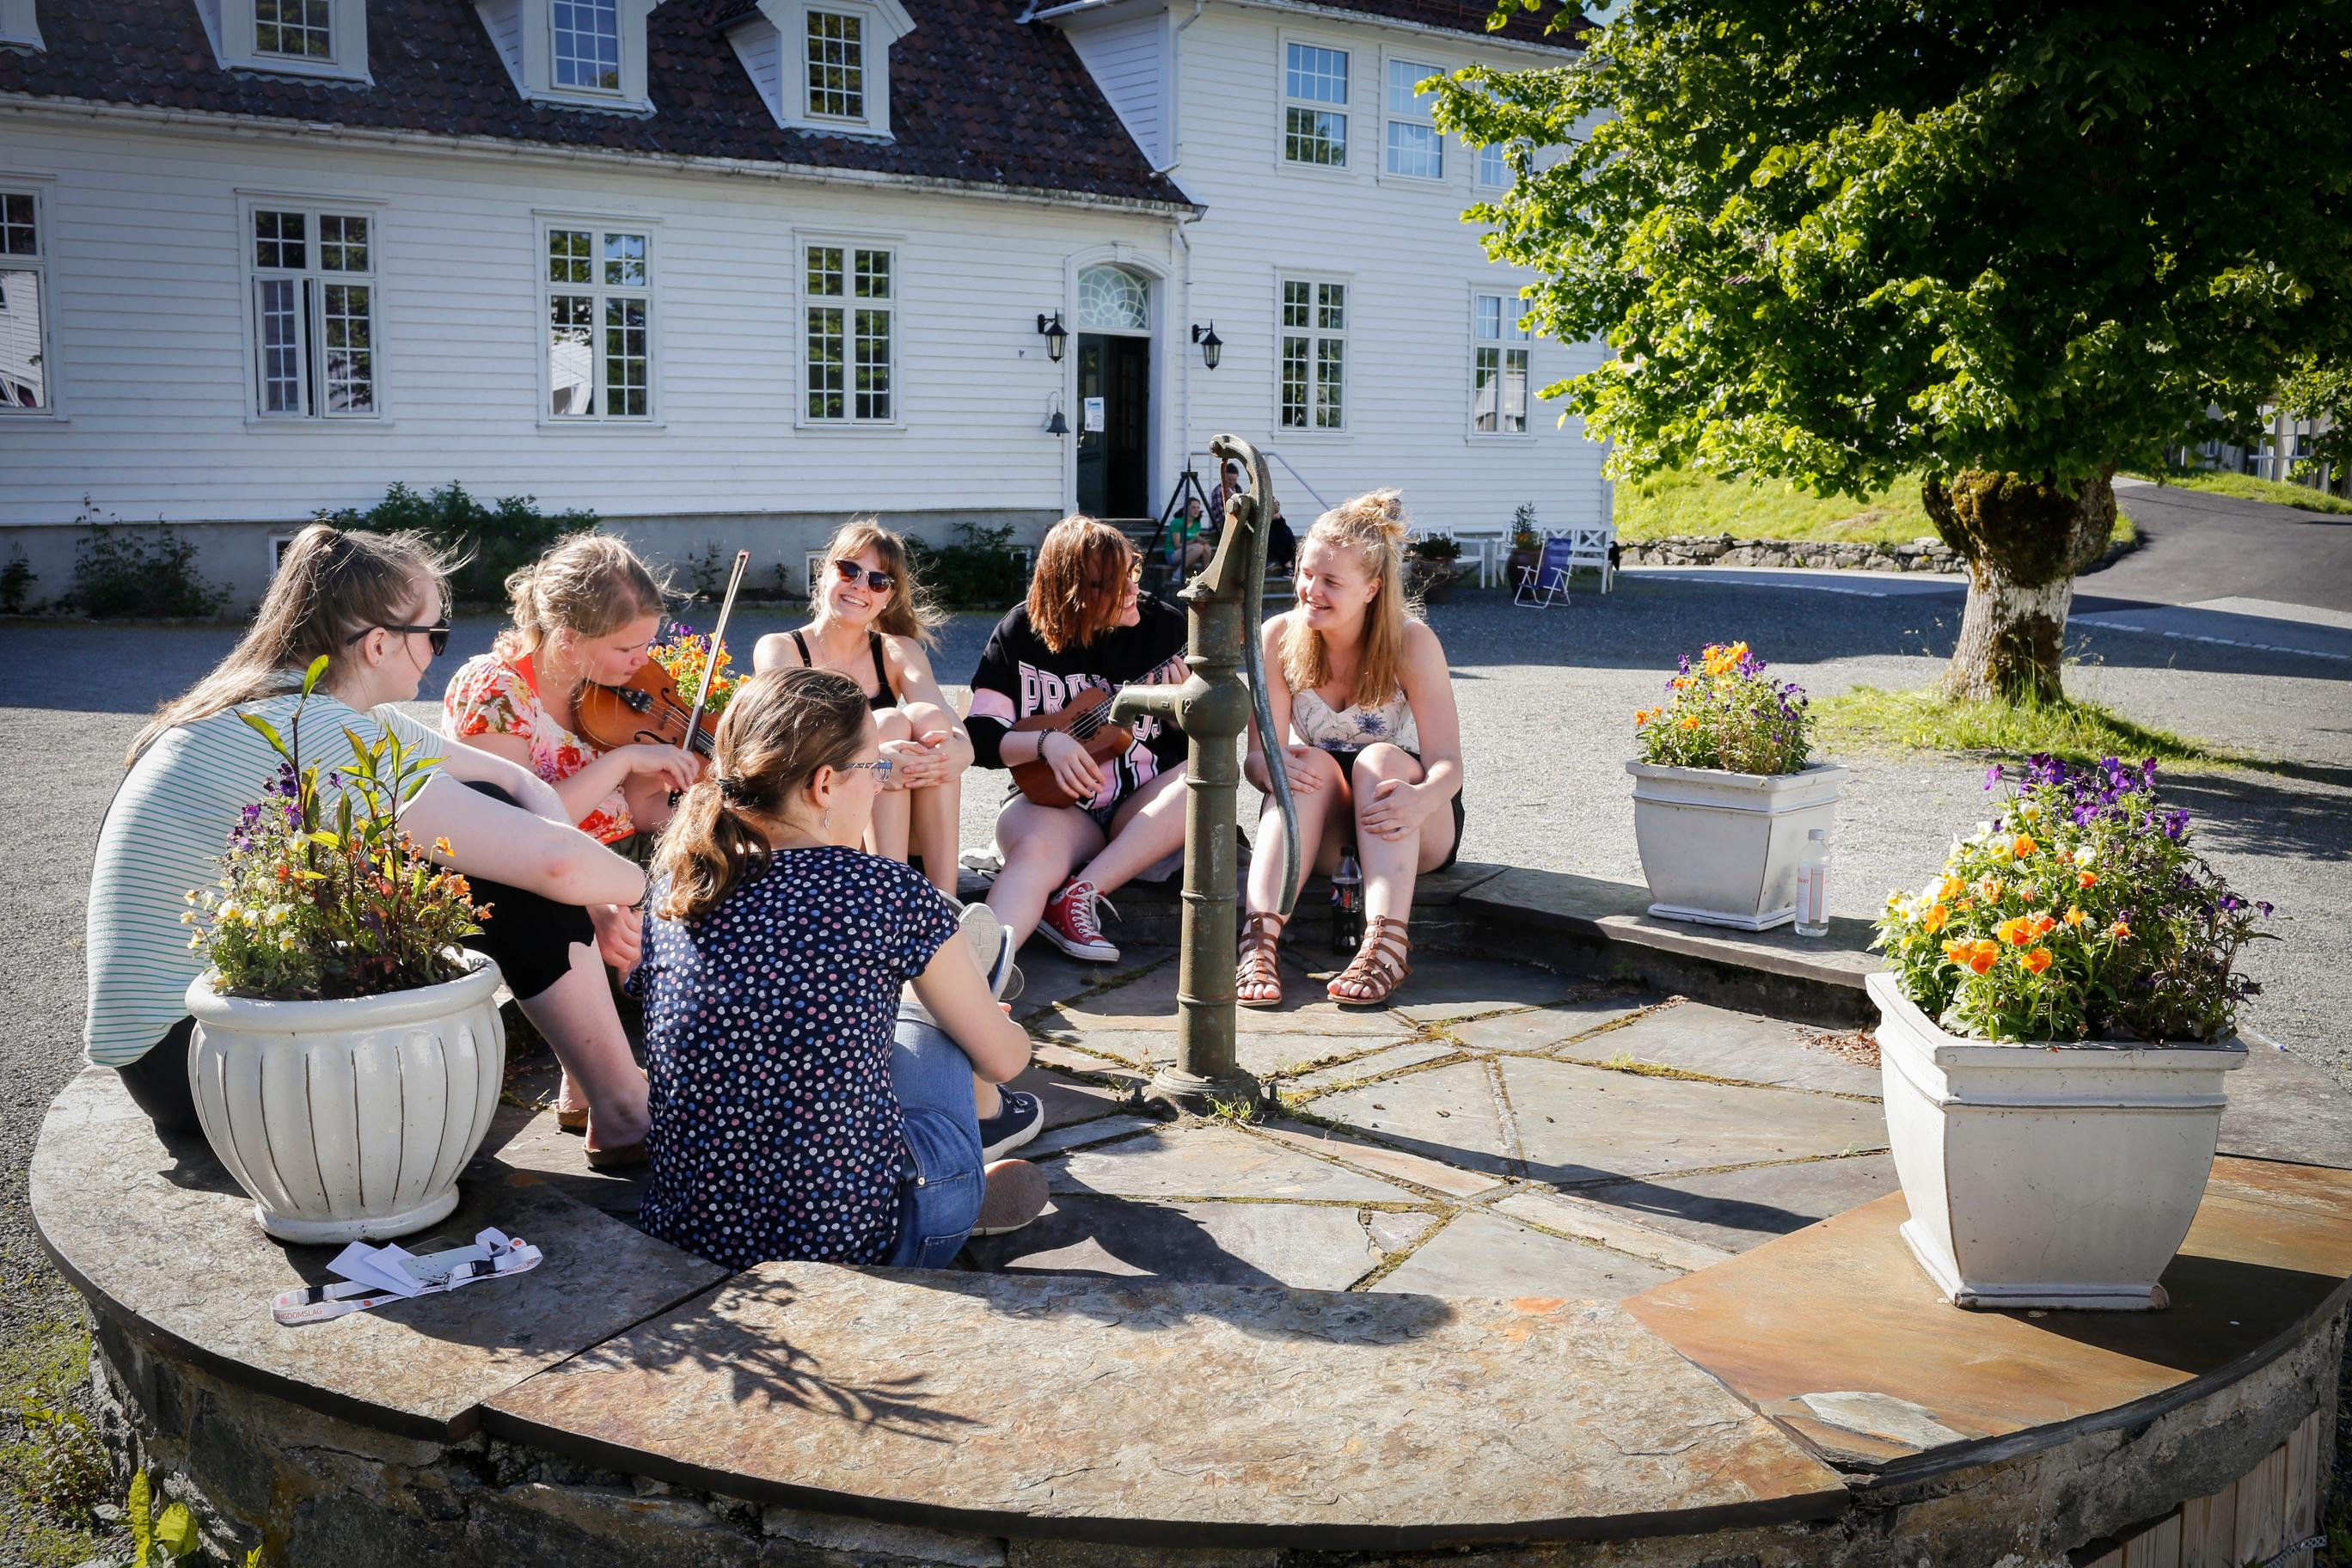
point(796, 1114)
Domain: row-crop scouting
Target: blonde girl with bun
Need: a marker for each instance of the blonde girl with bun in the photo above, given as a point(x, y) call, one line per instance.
point(872, 623)
point(1364, 704)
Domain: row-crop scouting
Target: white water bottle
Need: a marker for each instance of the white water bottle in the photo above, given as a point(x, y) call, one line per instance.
point(1813, 884)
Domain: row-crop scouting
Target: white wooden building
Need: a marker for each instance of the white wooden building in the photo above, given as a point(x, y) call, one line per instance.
point(730, 270)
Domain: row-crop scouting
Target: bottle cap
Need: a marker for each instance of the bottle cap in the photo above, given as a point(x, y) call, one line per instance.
point(1818, 833)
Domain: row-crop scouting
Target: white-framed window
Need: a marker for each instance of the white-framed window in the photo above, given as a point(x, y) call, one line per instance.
point(317, 340)
point(25, 381)
point(1313, 105)
point(1498, 365)
point(835, 57)
point(1414, 149)
point(1314, 369)
point(849, 332)
point(294, 29)
point(587, 44)
point(598, 277)
point(1494, 167)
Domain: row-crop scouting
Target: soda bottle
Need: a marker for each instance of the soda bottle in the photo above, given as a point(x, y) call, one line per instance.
point(1813, 884)
point(1347, 905)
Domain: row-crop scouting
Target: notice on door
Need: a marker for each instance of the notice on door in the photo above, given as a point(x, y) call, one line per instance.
point(1090, 415)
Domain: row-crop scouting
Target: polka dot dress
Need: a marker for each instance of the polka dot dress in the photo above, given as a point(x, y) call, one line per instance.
point(776, 1135)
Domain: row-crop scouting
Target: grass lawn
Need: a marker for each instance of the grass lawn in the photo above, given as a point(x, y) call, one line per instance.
point(52, 1471)
point(1684, 502)
point(2246, 487)
point(1867, 719)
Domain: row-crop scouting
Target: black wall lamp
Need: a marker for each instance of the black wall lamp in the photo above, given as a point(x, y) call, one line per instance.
point(1213, 347)
point(1057, 336)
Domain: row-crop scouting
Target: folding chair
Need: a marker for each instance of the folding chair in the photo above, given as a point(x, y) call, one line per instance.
point(1589, 547)
point(1548, 578)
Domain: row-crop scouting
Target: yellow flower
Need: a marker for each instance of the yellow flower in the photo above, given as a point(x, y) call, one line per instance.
point(2017, 930)
point(441, 846)
point(1950, 887)
point(1690, 722)
point(2074, 916)
point(1937, 918)
point(2037, 961)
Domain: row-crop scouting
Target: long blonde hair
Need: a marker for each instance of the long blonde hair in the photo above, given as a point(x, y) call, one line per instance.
point(779, 728)
point(909, 613)
point(1374, 527)
point(589, 584)
point(1080, 584)
point(329, 586)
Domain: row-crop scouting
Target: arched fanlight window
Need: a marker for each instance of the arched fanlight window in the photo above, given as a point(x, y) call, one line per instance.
point(1111, 299)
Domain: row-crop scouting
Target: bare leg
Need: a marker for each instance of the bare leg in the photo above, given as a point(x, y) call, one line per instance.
point(1319, 810)
point(1148, 827)
point(886, 835)
point(1390, 863)
point(936, 819)
point(1040, 845)
point(576, 1016)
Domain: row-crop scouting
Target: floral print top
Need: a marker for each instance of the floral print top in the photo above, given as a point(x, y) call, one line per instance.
point(769, 1028)
point(491, 694)
point(1353, 728)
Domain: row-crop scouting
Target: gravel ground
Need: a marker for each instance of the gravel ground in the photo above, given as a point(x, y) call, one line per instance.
point(1547, 702)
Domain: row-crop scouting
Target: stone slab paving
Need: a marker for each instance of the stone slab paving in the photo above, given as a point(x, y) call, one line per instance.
point(1541, 1028)
point(1738, 1209)
point(1740, 1047)
point(1487, 1255)
point(1578, 1124)
point(2284, 1108)
point(1216, 1162)
point(1310, 1247)
point(1217, 1413)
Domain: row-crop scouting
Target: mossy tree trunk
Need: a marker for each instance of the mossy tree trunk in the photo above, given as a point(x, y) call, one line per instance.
point(2024, 540)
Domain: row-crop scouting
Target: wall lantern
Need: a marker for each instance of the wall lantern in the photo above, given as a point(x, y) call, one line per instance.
point(1057, 336)
point(1213, 347)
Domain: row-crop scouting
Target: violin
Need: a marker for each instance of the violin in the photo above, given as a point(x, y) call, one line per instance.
point(650, 708)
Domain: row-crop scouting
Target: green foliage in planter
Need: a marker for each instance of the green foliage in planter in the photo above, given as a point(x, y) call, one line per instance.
point(978, 572)
point(494, 540)
point(1523, 527)
point(1438, 547)
point(145, 571)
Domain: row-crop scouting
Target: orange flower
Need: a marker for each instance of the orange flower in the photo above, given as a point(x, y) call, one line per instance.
point(2037, 961)
point(1642, 716)
point(2024, 846)
point(1690, 722)
point(2085, 880)
point(2030, 894)
point(1950, 887)
point(2074, 916)
point(1957, 951)
point(2120, 931)
point(1965, 905)
point(1982, 954)
point(441, 846)
point(1991, 889)
point(1935, 919)
point(2016, 931)
point(2043, 925)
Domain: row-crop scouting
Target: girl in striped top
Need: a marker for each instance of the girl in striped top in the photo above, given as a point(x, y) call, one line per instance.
point(373, 605)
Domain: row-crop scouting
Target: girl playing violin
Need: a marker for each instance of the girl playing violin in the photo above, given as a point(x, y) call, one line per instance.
point(1363, 702)
point(373, 605)
point(1087, 623)
point(872, 625)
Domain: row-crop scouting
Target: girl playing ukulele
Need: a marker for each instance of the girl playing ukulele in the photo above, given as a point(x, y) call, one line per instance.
point(871, 626)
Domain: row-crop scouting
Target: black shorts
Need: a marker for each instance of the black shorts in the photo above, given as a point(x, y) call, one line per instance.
point(1347, 756)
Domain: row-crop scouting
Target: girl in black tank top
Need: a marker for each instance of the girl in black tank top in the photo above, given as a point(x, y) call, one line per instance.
point(876, 700)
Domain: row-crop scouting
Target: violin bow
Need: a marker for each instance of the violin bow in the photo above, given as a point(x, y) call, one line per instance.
point(718, 637)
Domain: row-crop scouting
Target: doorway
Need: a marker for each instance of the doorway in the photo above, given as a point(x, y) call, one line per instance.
point(1114, 426)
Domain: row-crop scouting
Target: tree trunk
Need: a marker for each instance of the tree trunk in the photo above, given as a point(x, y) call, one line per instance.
point(2023, 540)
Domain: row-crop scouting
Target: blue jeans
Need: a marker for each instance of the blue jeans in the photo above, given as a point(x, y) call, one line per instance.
point(941, 1186)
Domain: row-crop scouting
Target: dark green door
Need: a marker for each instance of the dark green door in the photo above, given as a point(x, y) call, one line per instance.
point(1114, 459)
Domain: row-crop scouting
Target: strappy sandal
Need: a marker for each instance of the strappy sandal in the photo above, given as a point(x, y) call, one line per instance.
point(1260, 966)
point(1379, 966)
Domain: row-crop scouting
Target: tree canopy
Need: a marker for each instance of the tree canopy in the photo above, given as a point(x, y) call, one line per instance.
point(1837, 240)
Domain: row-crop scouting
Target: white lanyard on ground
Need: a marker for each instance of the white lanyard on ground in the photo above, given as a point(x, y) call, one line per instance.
point(375, 1274)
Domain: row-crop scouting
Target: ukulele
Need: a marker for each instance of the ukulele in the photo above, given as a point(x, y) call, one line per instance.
point(1085, 719)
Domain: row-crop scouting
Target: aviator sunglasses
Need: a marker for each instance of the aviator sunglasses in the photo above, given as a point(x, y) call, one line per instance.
point(436, 636)
point(850, 572)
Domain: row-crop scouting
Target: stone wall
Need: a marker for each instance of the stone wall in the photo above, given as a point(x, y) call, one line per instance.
point(1925, 554)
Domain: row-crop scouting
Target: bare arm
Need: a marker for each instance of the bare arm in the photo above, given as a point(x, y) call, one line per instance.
point(1429, 686)
point(501, 843)
point(584, 791)
point(774, 651)
point(918, 684)
point(957, 996)
point(479, 764)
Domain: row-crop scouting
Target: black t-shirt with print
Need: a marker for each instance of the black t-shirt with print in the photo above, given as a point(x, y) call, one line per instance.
point(1019, 676)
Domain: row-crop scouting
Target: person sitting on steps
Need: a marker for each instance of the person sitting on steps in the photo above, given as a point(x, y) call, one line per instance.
point(1364, 703)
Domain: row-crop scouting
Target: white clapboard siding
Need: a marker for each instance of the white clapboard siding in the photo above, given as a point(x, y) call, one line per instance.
point(1128, 57)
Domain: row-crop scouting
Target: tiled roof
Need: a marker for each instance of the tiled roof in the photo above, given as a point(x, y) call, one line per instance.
point(1467, 16)
point(974, 96)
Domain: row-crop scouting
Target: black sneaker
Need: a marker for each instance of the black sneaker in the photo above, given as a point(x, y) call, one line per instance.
point(1021, 1117)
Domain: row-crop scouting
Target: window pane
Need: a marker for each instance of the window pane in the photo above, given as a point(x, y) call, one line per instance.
point(1490, 316)
point(278, 240)
point(1294, 304)
point(279, 321)
point(24, 384)
point(625, 260)
point(1331, 307)
point(588, 44)
point(626, 358)
point(18, 236)
point(1314, 136)
point(873, 364)
point(1115, 298)
point(1330, 375)
point(826, 354)
point(1403, 76)
point(1319, 76)
point(568, 256)
point(1484, 376)
point(294, 28)
point(836, 66)
point(1294, 384)
point(825, 272)
point(342, 243)
point(1414, 150)
point(1494, 168)
point(570, 354)
point(873, 274)
point(349, 348)
point(1515, 391)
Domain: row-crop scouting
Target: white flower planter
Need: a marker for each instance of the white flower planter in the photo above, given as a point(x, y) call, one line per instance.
point(2047, 1174)
point(1721, 848)
point(350, 1120)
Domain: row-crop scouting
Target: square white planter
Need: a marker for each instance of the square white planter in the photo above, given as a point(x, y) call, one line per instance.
point(1721, 848)
point(2047, 1174)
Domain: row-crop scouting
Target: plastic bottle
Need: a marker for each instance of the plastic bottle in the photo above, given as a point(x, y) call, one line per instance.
point(1347, 905)
point(1813, 884)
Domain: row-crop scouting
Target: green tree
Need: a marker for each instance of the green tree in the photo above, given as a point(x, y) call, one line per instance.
point(2015, 247)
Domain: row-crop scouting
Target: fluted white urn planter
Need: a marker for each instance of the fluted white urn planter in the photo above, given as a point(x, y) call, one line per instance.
point(350, 1120)
point(2047, 1174)
point(1721, 848)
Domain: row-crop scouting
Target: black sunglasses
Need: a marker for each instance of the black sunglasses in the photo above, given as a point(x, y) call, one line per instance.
point(436, 636)
point(850, 572)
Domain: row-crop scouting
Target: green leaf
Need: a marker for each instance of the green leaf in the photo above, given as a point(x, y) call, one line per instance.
point(268, 733)
point(176, 1530)
point(329, 840)
point(140, 1507)
point(311, 677)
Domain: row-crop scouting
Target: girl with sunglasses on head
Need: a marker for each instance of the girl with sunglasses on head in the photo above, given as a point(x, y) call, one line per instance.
point(1087, 622)
point(373, 605)
point(872, 623)
point(799, 1113)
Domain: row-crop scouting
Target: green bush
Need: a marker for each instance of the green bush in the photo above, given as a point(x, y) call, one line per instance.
point(16, 580)
point(1439, 547)
point(495, 539)
point(146, 571)
point(976, 573)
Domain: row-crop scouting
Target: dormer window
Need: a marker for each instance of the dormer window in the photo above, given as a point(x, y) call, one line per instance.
point(587, 52)
point(822, 65)
point(289, 38)
point(836, 66)
point(298, 29)
point(18, 25)
point(588, 44)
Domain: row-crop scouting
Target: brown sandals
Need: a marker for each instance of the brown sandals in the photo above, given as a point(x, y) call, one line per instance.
point(1259, 967)
point(1378, 967)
